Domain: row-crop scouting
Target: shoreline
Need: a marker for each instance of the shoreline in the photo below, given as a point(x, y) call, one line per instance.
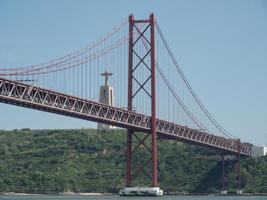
point(110, 194)
point(61, 193)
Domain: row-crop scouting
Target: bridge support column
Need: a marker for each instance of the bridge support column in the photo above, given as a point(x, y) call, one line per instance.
point(223, 191)
point(239, 191)
point(129, 158)
point(144, 36)
point(153, 105)
point(130, 103)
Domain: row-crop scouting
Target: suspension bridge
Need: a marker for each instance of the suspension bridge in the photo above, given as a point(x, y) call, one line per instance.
point(153, 96)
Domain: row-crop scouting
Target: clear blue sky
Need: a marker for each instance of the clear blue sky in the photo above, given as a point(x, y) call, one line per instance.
point(220, 45)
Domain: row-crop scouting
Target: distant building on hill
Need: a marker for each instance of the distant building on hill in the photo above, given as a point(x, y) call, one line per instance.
point(258, 151)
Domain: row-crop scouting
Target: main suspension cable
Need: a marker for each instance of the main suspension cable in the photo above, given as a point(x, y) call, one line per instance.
point(195, 120)
point(67, 65)
point(212, 119)
point(73, 54)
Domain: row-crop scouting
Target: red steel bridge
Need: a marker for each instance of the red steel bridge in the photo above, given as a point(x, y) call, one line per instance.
point(152, 94)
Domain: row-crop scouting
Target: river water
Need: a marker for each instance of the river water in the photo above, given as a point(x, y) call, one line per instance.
point(82, 197)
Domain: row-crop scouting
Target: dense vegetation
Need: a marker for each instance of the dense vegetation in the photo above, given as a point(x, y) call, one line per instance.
point(86, 160)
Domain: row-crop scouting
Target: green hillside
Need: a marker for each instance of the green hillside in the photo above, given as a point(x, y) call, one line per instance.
point(86, 160)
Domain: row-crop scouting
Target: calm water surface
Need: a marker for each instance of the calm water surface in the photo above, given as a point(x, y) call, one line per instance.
point(77, 197)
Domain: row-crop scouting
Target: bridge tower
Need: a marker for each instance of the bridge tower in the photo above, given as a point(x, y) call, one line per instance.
point(147, 37)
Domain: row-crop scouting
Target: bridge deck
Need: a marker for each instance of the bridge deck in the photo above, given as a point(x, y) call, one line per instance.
point(24, 95)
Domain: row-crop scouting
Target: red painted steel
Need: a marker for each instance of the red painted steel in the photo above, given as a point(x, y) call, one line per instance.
point(130, 102)
point(153, 104)
point(238, 163)
point(150, 79)
point(30, 96)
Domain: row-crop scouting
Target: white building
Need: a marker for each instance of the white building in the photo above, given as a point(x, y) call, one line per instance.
point(258, 151)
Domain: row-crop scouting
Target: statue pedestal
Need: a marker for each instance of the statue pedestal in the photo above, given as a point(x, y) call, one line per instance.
point(106, 97)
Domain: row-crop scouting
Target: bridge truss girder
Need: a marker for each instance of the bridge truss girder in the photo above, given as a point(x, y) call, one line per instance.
point(25, 95)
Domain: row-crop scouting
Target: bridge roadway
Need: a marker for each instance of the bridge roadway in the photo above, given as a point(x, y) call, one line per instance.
point(30, 96)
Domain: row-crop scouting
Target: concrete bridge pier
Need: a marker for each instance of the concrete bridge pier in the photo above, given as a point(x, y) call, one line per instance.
point(239, 190)
point(236, 159)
